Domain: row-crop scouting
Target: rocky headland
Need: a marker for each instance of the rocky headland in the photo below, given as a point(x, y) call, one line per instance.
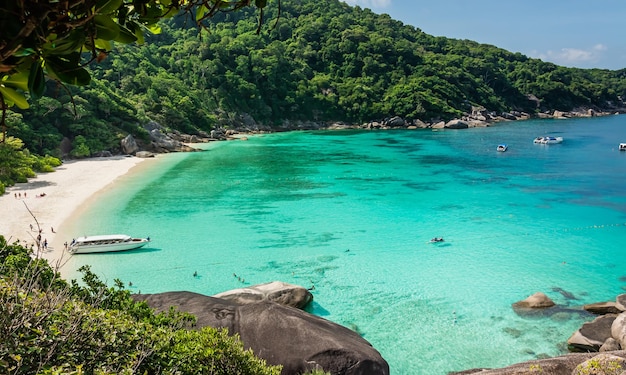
point(162, 140)
point(268, 320)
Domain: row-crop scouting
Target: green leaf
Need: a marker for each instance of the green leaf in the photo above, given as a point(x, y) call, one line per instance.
point(200, 12)
point(72, 43)
point(126, 36)
point(106, 27)
point(103, 44)
point(13, 97)
point(36, 80)
point(18, 80)
point(154, 29)
point(140, 37)
point(24, 52)
point(107, 6)
point(67, 71)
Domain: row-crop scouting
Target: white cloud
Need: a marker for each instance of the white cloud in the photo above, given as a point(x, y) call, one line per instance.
point(573, 56)
point(370, 3)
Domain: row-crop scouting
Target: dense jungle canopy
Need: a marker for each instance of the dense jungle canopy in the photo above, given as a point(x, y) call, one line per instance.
point(311, 60)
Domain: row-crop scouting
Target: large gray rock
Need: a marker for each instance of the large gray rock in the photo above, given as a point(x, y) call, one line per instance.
point(602, 364)
point(610, 345)
point(395, 122)
point(276, 291)
point(279, 334)
point(620, 302)
point(592, 335)
point(129, 146)
point(618, 329)
point(456, 124)
point(164, 143)
point(563, 365)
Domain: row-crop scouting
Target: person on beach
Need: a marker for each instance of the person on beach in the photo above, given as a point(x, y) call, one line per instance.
point(52, 229)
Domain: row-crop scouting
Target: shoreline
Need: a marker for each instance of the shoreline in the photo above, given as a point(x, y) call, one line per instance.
point(66, 190)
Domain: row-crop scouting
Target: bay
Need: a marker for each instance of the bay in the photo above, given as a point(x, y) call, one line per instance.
point(351, 213)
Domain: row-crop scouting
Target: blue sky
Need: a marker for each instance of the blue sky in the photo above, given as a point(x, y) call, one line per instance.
point(572, 33)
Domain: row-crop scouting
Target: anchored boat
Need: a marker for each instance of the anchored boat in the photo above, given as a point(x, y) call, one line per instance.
point(106, 243)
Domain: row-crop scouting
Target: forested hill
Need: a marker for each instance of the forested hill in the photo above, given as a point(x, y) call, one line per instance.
point(322, 61)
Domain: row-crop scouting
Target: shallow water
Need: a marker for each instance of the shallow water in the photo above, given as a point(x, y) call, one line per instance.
point(352, 213)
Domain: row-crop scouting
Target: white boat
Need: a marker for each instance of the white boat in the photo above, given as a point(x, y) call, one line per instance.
point(622, 146)
point(106, 243)
point(547, 140)
point(502, 148)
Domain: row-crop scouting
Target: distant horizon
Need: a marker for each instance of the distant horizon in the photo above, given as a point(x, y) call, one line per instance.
point(577, 35)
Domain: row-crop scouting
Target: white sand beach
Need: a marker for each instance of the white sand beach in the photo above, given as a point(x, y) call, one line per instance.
point(66, 189)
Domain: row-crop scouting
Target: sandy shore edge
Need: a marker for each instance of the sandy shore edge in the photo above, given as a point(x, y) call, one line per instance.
point(66, 190)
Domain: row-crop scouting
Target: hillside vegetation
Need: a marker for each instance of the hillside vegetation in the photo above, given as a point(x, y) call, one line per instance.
point(316, 61)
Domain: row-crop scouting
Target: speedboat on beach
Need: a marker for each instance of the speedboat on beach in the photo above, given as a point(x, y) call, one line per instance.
point(502, 148)
point(106, 243)
point(547, 140)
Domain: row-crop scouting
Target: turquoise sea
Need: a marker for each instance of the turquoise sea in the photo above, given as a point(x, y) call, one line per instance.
point(352, 212)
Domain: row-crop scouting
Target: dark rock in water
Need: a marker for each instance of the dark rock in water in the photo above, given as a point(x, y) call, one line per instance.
point(592, 335)
point(601, 308)
point(565, 293)
point(281, 335)
point(533, 305)
point(513, 332)
point(536, 301)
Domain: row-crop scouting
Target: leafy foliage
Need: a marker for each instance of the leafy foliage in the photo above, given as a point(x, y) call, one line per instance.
point(49, 326)
point(56, 39)
point(18, 164)
point(322, 61)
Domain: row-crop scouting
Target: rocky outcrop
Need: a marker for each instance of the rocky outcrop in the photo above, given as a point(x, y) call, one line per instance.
point(281, 335)
point(570, 364)
point(601, 308)
point(536, 301)
point(144, 154)
point(605, 334)
point(160, 142)
point(618, 330)
point(129, 146)
point(456, 124)
point(620, 302)
point(592, 335)
point(276, 291)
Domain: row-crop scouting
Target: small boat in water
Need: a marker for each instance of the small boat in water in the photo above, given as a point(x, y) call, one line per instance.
point(436, 239)
point(106, 243)
point(502, 148)
point(622, 146)
point(547, 140)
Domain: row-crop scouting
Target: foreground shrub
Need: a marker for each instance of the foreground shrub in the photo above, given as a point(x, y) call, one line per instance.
point(48, 326)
